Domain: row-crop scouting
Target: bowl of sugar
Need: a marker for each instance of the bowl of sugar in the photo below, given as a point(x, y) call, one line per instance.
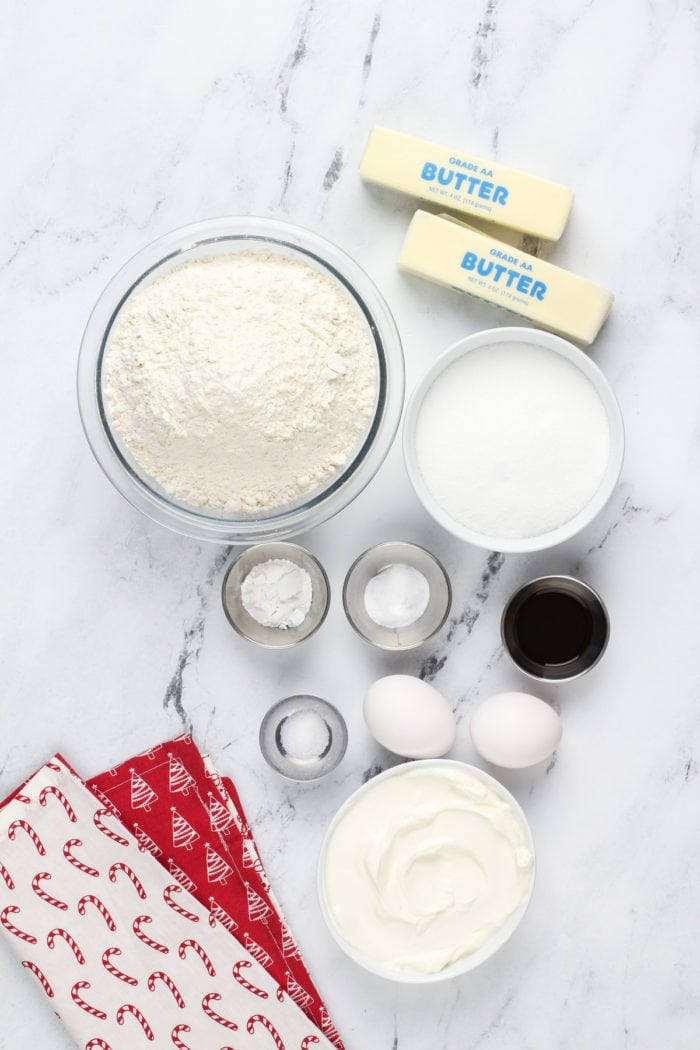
point(513, 440)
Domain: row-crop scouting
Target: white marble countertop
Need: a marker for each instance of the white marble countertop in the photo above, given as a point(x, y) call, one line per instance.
point(130, 119)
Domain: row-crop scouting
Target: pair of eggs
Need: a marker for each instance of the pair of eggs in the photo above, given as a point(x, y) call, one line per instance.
point(411, 718)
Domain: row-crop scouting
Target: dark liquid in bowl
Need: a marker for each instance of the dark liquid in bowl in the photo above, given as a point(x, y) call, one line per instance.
point(553, 628)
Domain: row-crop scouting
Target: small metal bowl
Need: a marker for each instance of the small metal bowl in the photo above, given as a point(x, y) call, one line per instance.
point(245, 624)
point(366, 568)
point(304, 766)
point(594, 649)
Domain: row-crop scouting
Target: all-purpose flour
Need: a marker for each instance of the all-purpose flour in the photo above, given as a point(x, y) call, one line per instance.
point(241, 382)
point(512, 440)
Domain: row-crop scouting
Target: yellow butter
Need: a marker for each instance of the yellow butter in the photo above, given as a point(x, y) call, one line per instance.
point(465, 183)
point(451, 253)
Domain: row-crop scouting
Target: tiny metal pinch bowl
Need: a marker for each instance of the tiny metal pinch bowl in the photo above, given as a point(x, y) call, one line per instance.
point(581, 664)
point(312, 767)
point(373, 561)
point(241, 620)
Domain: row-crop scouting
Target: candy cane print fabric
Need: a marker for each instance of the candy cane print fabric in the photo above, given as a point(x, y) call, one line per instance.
point(190, 817)
point(124, 954)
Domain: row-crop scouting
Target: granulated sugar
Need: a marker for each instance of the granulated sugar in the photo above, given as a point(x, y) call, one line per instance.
point(512, 440)
point(241, 382)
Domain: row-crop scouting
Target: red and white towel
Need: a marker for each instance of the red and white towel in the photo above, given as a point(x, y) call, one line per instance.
point(144, 938)
point(191, 819)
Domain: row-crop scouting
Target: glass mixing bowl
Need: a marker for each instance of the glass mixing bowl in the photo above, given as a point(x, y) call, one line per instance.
point(220, 236)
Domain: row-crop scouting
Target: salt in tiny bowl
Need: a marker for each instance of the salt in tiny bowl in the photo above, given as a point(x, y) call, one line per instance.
point(303, 767)
point(376, 560)
point(248, 627)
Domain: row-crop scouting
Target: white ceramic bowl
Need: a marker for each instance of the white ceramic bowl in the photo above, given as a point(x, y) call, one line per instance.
point(587, 513)
point(468, 962)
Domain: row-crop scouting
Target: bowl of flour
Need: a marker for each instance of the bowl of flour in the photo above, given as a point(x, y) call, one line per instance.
point(240, 380)
point(513, 440)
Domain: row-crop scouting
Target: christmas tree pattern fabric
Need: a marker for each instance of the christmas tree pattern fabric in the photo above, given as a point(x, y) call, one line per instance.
point(192, 820)
point(125, 954)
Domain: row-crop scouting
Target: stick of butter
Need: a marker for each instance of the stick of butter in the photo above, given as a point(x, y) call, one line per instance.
point(466, 183)
point(450, 252)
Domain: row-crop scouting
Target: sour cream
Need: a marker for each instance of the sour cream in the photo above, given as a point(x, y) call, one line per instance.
point(424, 866)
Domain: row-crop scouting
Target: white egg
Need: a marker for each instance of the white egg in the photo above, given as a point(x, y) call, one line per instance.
point(514, 730)
point(409, 717)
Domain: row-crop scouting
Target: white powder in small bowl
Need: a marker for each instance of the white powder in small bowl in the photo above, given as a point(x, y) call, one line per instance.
point(397, 596)
point(304, 735)
point(512, 440)
point(277, 593)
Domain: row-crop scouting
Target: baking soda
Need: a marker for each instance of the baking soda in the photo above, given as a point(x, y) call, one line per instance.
point(397, 596)
point(512, 440)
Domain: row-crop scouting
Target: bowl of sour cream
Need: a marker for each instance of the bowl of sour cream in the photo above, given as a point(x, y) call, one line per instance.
point(426, 871)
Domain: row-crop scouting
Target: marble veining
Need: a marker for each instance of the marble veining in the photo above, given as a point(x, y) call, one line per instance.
point(129, 120)
point(193, 637)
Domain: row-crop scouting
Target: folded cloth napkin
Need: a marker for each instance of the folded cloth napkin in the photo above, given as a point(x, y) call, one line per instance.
point(181, 810)
point(124, 952)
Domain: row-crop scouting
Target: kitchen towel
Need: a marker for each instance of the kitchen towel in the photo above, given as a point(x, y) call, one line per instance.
point(124, 952)
point(184, 812)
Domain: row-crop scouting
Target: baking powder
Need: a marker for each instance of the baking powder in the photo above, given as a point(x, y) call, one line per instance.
point(277, 593)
